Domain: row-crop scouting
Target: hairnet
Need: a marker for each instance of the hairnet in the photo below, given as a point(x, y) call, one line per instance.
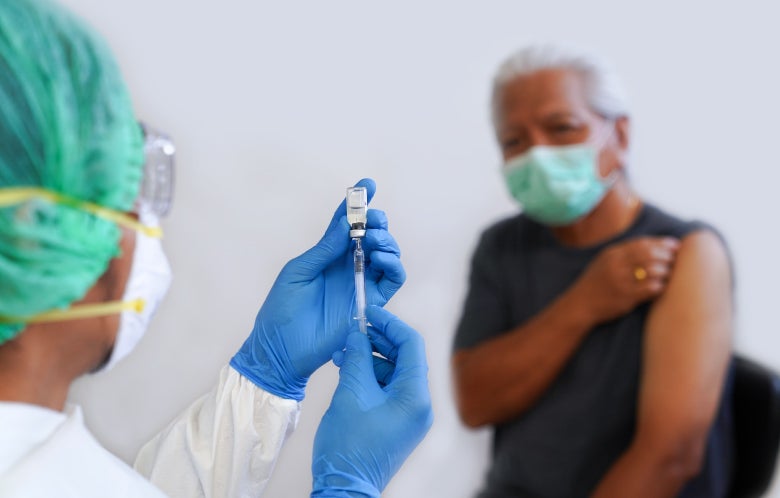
point(67, 125)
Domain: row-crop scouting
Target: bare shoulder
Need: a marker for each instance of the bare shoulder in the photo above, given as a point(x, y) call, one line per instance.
point(702, 251)
point(701, 279)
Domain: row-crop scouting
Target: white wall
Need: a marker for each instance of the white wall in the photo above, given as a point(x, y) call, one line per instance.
point(276, 107)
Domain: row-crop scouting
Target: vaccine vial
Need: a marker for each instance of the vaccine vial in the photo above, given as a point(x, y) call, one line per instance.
point(357, 208)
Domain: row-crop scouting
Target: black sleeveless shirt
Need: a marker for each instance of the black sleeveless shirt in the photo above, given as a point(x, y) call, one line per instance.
point(563, 445)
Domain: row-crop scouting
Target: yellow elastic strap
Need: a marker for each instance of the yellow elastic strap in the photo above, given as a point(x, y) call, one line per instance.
point(80, 311)
point(19, 195)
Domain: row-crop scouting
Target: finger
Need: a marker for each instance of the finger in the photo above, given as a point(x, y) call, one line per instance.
point(652, 287)
point(357, 366)
point(661, 254)
point(664, 249)
point(672, 243)
point(376, 218)
point(410, 346)
point(383, 370)
point(380, 240)
point(370, 186)
point(338, 358)
point(333, 245)
point(388, 273)
point(382, 344)
point(335, 342)
point(658, 270)
point(409, 380)
point(647, 277)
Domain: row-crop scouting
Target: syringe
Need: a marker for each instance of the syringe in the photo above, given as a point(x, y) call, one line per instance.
point(357, 210)
point(360, 285)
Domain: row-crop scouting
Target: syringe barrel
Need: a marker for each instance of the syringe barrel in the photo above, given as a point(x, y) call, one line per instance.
point(359, 259)
point(360, 285)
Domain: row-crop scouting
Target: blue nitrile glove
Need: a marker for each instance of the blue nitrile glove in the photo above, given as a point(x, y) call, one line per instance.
point(310, 308)
point(380, 412)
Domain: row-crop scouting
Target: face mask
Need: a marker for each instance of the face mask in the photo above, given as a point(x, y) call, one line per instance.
point(557, 185)
point(150, 278)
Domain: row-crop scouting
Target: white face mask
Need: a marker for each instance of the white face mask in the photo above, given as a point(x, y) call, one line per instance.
point(150, 278)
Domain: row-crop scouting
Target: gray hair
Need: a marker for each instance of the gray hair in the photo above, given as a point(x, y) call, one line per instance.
point(604, 90)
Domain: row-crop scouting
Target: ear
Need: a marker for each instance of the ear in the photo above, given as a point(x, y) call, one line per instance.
point(622, 140)
point(114, 280)
point(615, 153)
point(622, 132)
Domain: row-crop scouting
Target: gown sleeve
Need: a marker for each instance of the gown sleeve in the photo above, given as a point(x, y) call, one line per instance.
point(224, 445)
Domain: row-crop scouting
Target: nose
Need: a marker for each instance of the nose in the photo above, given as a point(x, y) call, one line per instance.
point(538, 137)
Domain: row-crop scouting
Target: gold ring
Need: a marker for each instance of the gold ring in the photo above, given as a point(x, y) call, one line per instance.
point(640, 273)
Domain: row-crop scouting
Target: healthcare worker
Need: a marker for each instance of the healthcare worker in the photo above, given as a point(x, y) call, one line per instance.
point(82, 270)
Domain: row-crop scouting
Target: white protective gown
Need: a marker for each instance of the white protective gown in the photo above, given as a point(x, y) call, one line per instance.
point(224, 445)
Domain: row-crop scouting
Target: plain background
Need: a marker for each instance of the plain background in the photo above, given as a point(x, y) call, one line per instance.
point(277, 107)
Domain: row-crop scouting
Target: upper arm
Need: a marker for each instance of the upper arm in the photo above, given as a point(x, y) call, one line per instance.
point(687, 345)
point(484, 309)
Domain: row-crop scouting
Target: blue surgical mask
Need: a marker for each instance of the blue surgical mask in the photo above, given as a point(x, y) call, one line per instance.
point(557, 185)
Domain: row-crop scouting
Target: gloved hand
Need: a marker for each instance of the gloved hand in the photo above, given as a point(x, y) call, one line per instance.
point(310, 308)
point(380, 412)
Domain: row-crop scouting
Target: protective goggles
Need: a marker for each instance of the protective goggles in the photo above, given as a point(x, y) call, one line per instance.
point(155, 193)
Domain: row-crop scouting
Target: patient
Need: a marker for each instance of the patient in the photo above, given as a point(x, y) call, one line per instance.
point(595, 338)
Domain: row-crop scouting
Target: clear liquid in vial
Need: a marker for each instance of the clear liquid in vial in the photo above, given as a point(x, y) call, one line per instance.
point(357, 205)
point(356, 215)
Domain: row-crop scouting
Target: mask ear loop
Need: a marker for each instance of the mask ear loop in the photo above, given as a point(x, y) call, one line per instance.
point(609, 180)
point(18, 195)
point(78, 312)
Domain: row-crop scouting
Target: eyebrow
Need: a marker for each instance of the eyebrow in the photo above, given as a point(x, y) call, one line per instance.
point(559, 114)
point(504, 128)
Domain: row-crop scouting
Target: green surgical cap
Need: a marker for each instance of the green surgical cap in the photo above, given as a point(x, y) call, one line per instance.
point(67, 125)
